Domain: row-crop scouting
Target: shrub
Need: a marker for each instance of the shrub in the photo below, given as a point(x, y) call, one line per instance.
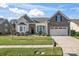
point(17, 33)
point(73, 32)
point(22, 34)
point(77, 34)
point(42, 33)
point(36, 33)
point(27, 33)
point(0, 33)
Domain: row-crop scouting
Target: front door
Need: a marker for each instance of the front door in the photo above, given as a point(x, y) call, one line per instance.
point(32, 28)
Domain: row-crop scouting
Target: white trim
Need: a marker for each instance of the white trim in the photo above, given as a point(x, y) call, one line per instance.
point(26, 28)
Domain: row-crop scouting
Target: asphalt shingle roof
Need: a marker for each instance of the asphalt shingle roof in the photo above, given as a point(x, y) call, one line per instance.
point(75, 21)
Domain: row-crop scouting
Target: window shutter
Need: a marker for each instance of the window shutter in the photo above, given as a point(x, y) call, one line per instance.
point(56, 18)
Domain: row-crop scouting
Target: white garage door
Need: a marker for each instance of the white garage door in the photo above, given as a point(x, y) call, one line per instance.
point(59, 31)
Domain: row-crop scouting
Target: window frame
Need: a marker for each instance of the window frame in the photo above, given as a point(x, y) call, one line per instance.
point(6, 30)
point(58, 18)
point(40, 28)
point(21, 28)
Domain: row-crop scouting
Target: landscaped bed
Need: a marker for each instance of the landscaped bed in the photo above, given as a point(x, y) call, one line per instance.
point(75, 34)
point(25, 40)
point(56, 51)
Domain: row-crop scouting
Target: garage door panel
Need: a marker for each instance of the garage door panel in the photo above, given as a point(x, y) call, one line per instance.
point(59, 32)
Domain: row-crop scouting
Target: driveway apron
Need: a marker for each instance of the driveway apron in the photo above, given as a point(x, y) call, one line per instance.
point(69, 45)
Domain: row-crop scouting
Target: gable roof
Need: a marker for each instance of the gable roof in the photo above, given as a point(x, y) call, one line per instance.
point(59, 12)
point(40, 20)
point(13, 21)
point(76, 21)
point(2, 20)
point(34, 19)
point(22, 23)
point(26, 18)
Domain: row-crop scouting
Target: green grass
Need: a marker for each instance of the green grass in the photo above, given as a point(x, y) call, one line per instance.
point(25, 40)
point(57, 51)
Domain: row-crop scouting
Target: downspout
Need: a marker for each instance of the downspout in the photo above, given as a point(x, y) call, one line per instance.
point(69, 31)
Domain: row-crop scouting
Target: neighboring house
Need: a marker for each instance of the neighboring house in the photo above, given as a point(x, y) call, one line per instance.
point(74, 25)
point(4, 26)
point(32, 25)
point(59, 25)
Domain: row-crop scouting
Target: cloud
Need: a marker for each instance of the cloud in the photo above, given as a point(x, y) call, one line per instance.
point(17, 11)
point(6, 17)
point(36, 12)
point(34, 9)
point(75, 8)
point(10, 18)
point(3, 5)
point(60, 7)
point(32, 6)
point(31, 12)
point(2, 16)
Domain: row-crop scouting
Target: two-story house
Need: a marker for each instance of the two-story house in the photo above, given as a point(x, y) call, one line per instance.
point(59, 25)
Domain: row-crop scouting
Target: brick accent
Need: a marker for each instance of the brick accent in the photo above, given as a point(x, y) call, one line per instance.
point(54, 23)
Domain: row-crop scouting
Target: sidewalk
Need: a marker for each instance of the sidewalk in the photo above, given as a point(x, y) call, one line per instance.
point(26, 46)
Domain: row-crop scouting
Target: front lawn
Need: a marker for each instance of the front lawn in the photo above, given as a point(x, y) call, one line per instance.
point(57, 51)
point(25, 40)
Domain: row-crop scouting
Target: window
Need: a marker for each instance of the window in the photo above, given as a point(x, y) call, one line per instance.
point(6, 30)
point(58, 18)
point(56, 27)
point(21, 28)
point(6, 24)
point(60, 27)
point(24, 28)
point(40, 28)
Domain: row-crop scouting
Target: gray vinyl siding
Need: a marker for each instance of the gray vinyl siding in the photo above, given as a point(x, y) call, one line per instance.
point(3, 27)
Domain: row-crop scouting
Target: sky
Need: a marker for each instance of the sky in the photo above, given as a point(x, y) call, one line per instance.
point(16, 10)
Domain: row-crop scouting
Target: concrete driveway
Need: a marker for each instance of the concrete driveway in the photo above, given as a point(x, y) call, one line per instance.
point(69, 44)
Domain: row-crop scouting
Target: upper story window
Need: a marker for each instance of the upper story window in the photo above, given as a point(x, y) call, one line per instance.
point(58, 18)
